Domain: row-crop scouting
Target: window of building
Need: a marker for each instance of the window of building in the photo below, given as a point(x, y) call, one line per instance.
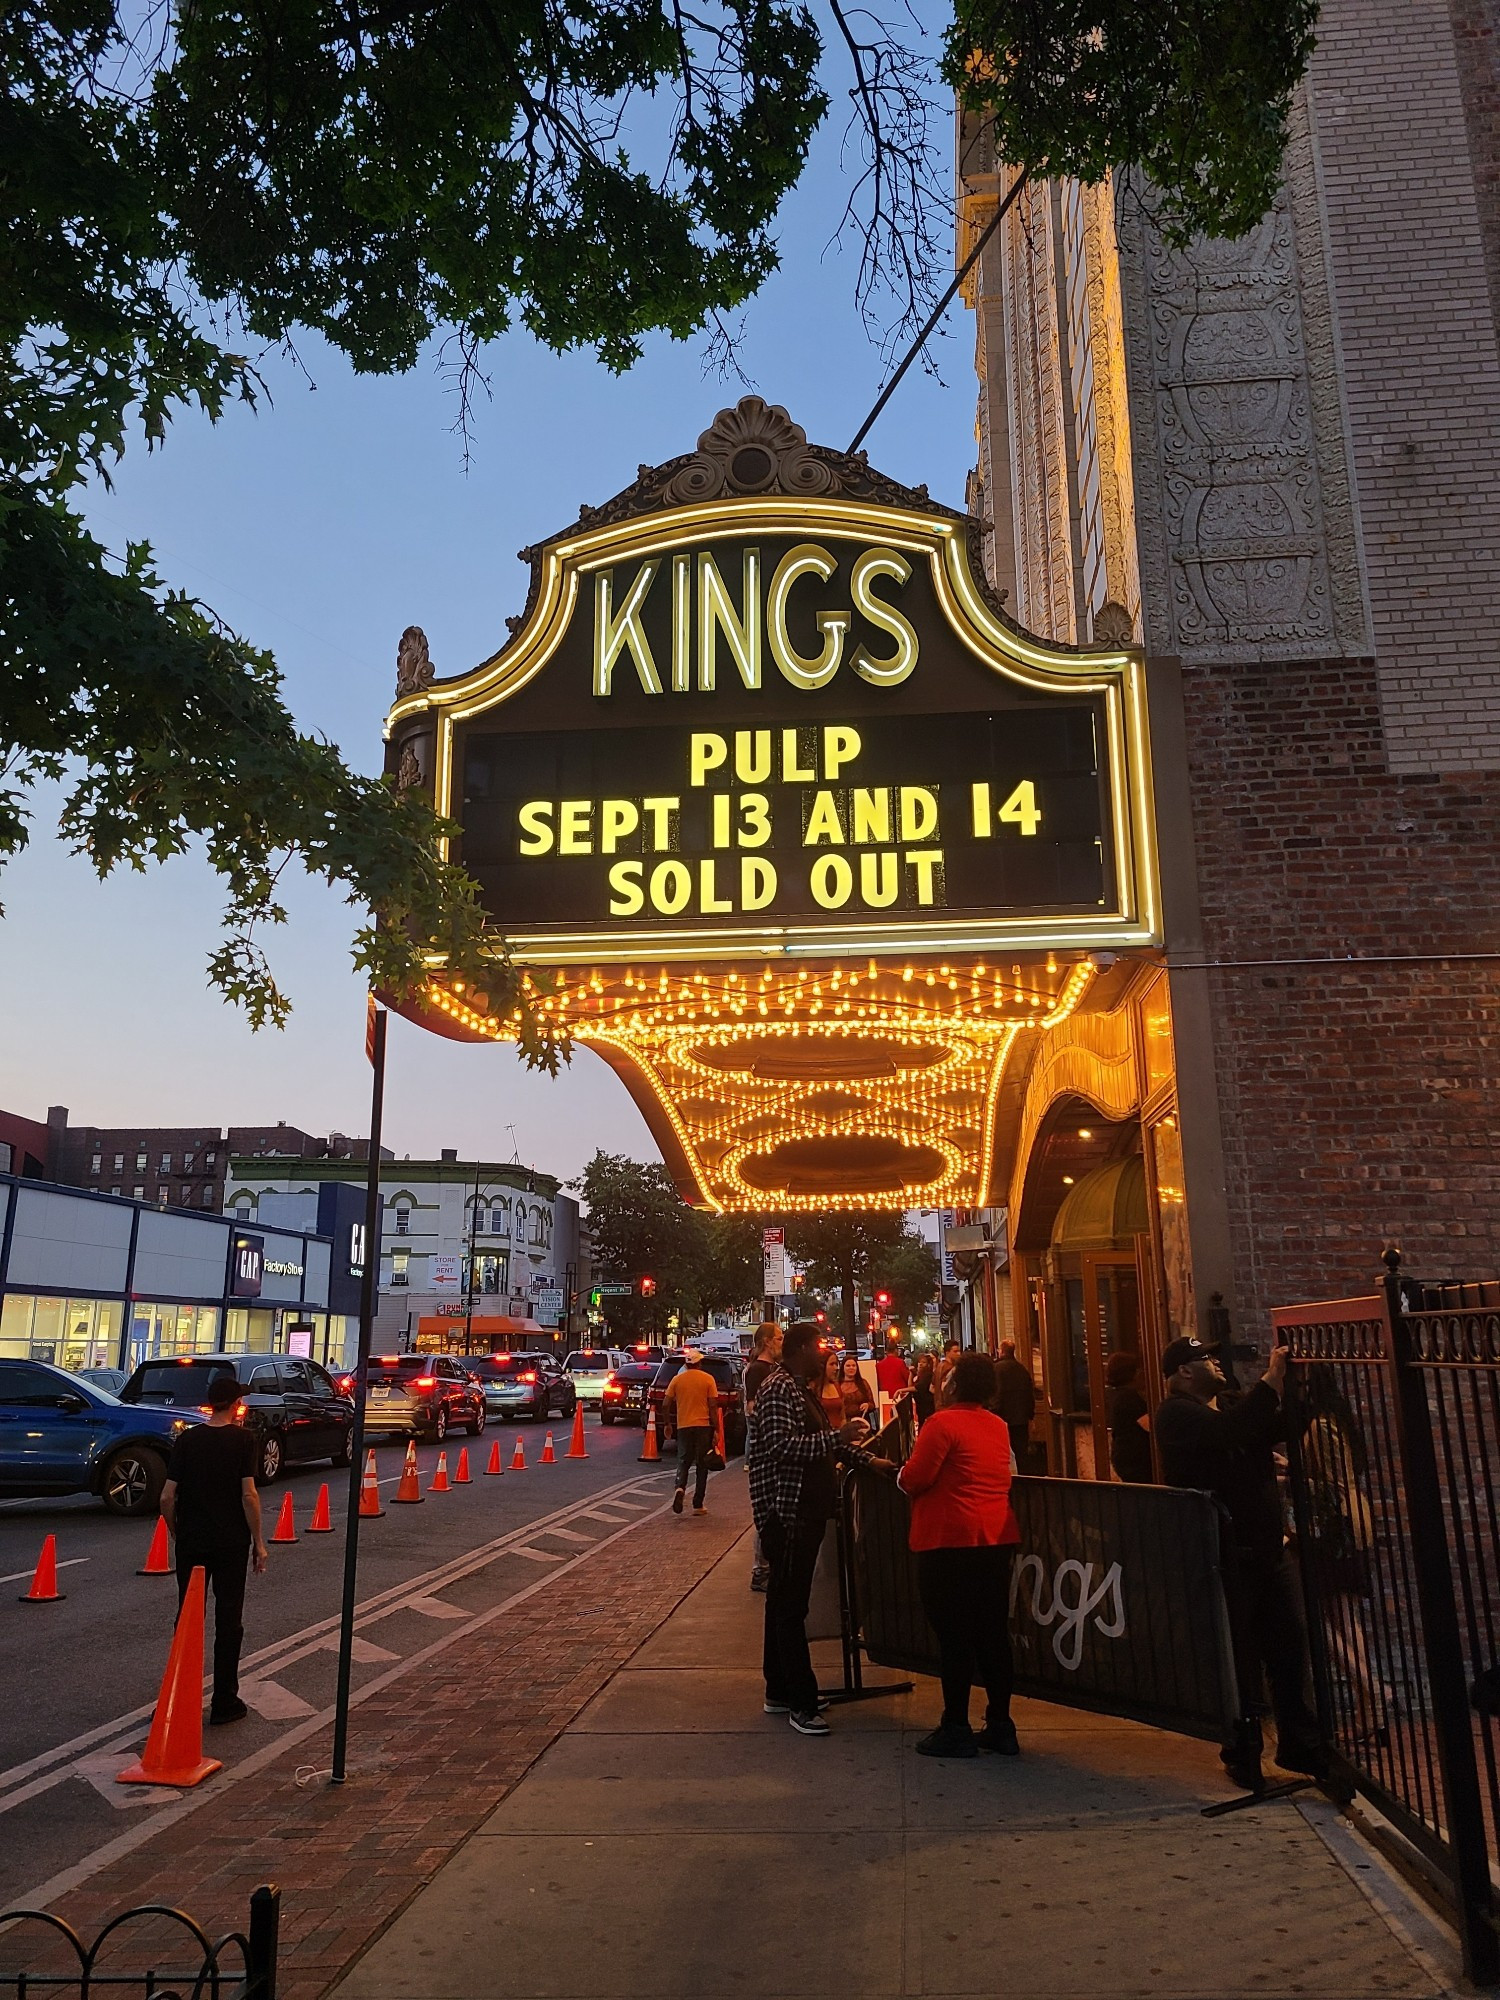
point(210, 1160)
point(166, 1163)
point(114, 1190)
point(208, 1197)
point(96, 1162)
point(163, 1195)
point(138, 1194)
point(140, 1161)
point(400, 1259)
point(119, 1164)
point(403, 1221)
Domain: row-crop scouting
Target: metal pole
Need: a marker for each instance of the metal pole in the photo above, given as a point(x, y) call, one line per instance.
point(1442, 1643)
point(469, 1286)
point(367, 1296)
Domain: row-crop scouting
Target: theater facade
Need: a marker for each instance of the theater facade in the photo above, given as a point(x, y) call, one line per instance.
point(854, 881)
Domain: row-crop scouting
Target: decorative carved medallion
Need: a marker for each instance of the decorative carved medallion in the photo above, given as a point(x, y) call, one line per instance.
point(409, 771)
point(414, 668)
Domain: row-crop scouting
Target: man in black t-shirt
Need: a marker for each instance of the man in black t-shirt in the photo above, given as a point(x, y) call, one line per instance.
point(212, 1512)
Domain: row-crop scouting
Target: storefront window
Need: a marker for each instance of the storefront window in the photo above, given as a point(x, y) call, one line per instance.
point(250, 1329)
point(168, 1329)
point(72, 1333)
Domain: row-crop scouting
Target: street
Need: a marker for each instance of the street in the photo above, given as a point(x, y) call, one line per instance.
point(82, 1675)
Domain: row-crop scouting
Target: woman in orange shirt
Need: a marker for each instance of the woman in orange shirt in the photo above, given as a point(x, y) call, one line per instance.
point(964, 1536)
point(829, 1394)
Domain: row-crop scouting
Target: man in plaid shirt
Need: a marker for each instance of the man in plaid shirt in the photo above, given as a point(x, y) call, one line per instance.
point(792, 1496)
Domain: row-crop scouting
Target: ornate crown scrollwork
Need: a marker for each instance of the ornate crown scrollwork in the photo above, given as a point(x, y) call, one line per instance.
point(414, 668)
point(753, 448)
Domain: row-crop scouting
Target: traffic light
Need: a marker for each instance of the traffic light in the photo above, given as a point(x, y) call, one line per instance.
point(883, 1300)
point(648, 1288)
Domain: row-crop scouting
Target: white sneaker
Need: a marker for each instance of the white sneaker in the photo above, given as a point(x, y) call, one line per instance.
point(808, 1725)
point(777, 1708)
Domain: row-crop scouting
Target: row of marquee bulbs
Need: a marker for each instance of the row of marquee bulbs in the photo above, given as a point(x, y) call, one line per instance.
point(915, 998)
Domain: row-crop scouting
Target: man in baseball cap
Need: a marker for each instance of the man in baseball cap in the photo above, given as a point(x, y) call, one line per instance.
point(1225, 1449)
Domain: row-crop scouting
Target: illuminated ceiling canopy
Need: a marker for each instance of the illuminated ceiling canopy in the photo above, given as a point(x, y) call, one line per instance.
point(810, 837)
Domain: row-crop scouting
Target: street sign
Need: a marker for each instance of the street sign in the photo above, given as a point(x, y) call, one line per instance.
point(613, 1291)
point(546, 1304)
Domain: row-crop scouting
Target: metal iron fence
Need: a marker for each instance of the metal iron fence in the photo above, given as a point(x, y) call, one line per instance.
point(1393, 1410)
point(239, 1966)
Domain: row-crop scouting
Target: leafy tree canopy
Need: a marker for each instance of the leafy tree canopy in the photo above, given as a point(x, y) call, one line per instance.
point(639, 1226)
point(1195, 93)
point(860, 1254)
point(183, 183)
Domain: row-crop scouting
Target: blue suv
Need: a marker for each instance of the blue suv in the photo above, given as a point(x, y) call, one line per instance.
point(62, 1435)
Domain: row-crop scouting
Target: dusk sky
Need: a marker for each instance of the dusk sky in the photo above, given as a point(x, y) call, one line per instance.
point(320, 526)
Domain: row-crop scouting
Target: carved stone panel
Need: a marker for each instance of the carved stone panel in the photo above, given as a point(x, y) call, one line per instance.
point(1232, 456)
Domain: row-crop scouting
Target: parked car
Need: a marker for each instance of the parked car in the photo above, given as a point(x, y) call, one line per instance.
point(523, 1385)
point(642, 1353)
point(292, 1406)
point(626, 1391)
point(59, 1434)
point(425, 1395)
point(587, 1368)
point(111, 1379)
point(728, 1370)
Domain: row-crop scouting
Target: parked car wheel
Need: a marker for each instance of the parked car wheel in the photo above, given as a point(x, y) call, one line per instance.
point(133, 1480)
point(440, 1424)
point(344, 1448)
point(606, 1416)
point(272, 1458)
point(479, 1422)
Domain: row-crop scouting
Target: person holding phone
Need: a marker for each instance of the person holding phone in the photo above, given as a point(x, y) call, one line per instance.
point(1222, 1443)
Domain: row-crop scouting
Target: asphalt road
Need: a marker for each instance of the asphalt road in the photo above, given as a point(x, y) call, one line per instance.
point(80, 1676)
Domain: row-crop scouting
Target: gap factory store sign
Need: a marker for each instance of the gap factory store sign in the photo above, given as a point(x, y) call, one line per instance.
point(809, 830)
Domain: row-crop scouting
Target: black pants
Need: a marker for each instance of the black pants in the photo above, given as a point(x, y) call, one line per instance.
point(694, 1443)
point(966, 1595)
point(1265, 1620)
point(226, 1579)
point(792, 1553)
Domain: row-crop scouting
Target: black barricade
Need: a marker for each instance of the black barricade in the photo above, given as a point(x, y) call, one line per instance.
point(1116, 1604)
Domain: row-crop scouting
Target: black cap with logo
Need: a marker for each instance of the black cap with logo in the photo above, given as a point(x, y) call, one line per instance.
point(1181, 1353)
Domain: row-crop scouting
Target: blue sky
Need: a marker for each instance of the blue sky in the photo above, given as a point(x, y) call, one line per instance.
point(320, 526)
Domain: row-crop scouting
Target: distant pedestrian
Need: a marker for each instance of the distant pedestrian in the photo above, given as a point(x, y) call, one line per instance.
point(1015, 1400)
point(855, 1390)
point(891, 1372)
point(793, 1494)
point(1129, 1419)
point(766, 1352)
point(693, 1397)
point(1225, 1448)
point(212, 1511)
point(924, 1388)
point(944, 1368)
point(963, 1533)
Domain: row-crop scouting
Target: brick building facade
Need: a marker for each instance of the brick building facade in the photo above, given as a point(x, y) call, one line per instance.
point(1275, 465)
point(182, 1166)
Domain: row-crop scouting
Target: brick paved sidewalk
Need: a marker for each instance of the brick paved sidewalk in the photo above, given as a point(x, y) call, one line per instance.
point(431, 1756)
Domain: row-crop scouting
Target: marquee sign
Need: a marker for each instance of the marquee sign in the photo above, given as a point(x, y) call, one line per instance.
point(763, 737)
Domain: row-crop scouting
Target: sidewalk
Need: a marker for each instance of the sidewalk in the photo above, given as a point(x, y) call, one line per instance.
point(673, 1840)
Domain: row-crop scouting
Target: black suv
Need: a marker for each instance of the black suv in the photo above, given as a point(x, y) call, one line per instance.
point(293, 1406)
point(728, 1371)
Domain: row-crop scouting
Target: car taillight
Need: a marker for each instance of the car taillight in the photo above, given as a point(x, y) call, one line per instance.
point(613, 1388)
point(529, 1378)
point(425, 1382)
point(241, 1411)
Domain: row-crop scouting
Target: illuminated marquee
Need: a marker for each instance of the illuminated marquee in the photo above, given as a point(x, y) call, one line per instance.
point(762, 754)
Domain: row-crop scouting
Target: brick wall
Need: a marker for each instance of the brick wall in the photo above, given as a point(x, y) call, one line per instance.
point(1421, 366)
point(1476, 40)
point(1358, 1104)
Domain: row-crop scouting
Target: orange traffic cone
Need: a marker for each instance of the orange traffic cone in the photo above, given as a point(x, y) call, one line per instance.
point(576, 1446)
point(461, 1477)
point(440, 1477)
point(158, 1561)
point(494, 1468)
point(409, 1492)
point(370, 1508)
point(653, 1450)
point(44, 1588)
point(549, 1456)
point(321, 1524)
point(174, 1749)
point(518, 1457)
point(286, 1525)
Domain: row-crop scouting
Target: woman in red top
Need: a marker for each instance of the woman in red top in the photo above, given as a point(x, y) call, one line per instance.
point(964, 1536)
